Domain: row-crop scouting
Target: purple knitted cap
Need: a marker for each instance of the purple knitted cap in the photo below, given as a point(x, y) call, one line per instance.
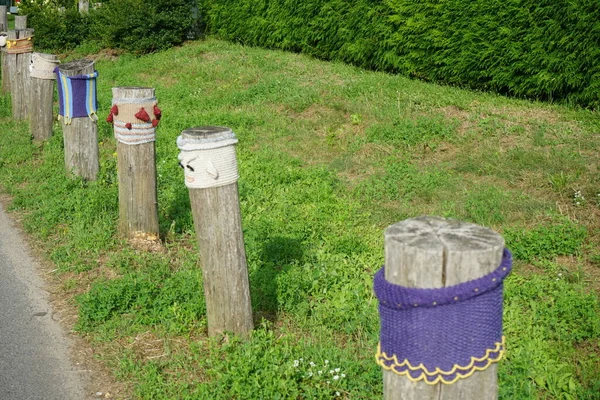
point(441, 335)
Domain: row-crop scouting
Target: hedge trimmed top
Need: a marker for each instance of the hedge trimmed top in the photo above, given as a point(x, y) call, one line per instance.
point(539, 49)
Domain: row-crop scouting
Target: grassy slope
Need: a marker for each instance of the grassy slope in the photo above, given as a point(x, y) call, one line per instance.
point(329, 156)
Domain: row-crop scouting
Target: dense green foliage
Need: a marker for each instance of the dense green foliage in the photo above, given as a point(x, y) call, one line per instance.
point(528, 48)
point(141, 26)
point(55, 29)
point(133, 25)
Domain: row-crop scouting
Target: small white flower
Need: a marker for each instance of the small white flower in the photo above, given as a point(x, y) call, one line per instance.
point(328, 382)
point(326, 362)
point(312, 364)
point(343, 375)
point(337, 370)
point(560, 274)
point(296, 363)
point(337, 394)
point(331, 371)
point(319, 372)
point(302, 359)
point(336, 377)
point(310, 374)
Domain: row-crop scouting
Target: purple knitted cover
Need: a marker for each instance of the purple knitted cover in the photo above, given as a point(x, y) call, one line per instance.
point(76, 95)
point(441, 335)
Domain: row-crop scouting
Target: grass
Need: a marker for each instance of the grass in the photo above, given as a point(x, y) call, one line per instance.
point(329, 156)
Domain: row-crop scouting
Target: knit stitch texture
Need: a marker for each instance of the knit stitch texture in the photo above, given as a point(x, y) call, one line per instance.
point(441, 335)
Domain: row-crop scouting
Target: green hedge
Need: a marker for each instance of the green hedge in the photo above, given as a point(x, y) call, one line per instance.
point(138, 26)
point(541, 49)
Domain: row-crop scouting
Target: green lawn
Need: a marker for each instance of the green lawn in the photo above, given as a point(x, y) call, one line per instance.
point(329, 156)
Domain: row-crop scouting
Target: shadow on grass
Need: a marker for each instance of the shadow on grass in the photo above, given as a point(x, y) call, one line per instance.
point(276, 254)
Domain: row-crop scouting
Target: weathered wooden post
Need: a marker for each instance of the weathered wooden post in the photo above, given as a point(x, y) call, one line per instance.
point(211, 174)
point(440, 304)
point(42, 94)
point(3, 19)
point(19, 46)
point(135, 115)
point(76, 83)
point(3, 36)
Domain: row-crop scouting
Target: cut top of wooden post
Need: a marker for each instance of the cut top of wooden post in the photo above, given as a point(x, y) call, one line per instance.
point(77, 67)
point(433, 252)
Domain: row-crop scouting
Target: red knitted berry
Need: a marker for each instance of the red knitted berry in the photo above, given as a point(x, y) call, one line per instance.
point(128, 125)
point(110, 118)
point(157, 112)
point(155, 123)
point(142, 115)
point(114, 110)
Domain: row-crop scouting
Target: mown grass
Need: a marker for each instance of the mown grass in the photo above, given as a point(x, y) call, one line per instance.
point(329, 156)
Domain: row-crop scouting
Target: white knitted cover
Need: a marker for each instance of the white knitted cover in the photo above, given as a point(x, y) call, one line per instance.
point(208, 163)
point(42, 67)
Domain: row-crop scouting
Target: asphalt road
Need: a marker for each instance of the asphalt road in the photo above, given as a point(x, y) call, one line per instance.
point(34, 351)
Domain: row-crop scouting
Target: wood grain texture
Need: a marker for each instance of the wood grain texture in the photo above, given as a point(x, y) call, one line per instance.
point(9, 66)
point(218, 223)
point(136, 166)
point(20, 80)
point(81, 135)
point(20, 22)
point(3, 19)
point(4, 28)
point(433, 252)
point(42, 97)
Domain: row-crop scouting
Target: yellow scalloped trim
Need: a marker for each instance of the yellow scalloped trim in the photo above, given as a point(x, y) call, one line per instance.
point(499, 348)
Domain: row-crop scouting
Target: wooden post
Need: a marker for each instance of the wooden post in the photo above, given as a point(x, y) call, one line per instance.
point(20, 22)
point(80, 134)
point(136, 165)
point(3, 19)
point(9, 65)
point(17, 65)
point(4, 35)
point(433, 252)
point(84, 6)
point(210, 165)
point(21, 93)
point(42, 94)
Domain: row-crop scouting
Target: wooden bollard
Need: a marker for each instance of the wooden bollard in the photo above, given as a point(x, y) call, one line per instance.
point(442, 343)
point(210, 167)
point(3, 36)
point(3, 19)
point(135, 115)
point(77, 113)
point(19, 47)
point(42, 94)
